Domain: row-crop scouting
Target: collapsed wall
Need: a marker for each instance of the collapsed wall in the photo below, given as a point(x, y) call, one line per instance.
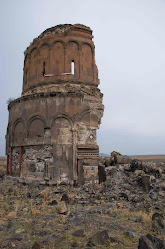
point(51, 134)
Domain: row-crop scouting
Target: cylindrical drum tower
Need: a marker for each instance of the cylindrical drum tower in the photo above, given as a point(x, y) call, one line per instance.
point(51, 134)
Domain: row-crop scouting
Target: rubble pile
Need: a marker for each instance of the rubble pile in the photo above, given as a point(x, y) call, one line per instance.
point(126, 210)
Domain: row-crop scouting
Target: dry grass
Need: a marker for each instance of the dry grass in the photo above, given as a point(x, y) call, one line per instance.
point(2, 165)
point(153, 158)
point(146, 217)
point(129, 212)
point(2, 159)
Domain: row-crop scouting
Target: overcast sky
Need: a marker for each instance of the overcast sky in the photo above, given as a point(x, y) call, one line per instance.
point(129, 37)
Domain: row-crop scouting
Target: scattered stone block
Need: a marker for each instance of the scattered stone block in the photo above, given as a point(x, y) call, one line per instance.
point(146, 182)
point(53, 203)
point(159, 243)
point(100, 238)
point(158, 223)
point(65, 198)
point(131, 234)
point(145, 243)
point(79, 233)
point(62, 208)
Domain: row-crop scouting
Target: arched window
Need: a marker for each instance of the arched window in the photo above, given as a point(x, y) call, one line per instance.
point(72, 67)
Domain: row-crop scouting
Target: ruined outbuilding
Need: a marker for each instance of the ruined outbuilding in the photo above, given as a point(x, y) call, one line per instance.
point(51, 134)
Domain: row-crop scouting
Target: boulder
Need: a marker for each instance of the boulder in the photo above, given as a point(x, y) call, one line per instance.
point(124, 196)
point(158, 223)
point(108, 162)
point(62, 208)
point(111, 171)
point(136, 164)
point(138, 172)
point(145, 243)
point(115, 240)
point(131, 234)
point(37, 245)
point(123, 159)
point(136, 219)
point(74, 244)
point(79, 233)
point(100, 238)
point(65, 198)
point(115, 153)
point(127, 167)
point(53, 203)
point(162, 185)
point(159, 243)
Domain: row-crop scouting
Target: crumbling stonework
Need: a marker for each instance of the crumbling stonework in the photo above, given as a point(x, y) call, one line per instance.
point(51, 135)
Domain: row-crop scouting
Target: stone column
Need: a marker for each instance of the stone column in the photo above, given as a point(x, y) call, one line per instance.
point(74, 132)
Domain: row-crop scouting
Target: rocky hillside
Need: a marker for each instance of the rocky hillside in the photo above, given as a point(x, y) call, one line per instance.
point(125, 211)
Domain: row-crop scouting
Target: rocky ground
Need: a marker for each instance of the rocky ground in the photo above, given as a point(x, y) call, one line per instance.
point(118, 213)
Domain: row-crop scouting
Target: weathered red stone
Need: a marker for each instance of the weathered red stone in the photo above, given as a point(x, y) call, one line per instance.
point(56, 118)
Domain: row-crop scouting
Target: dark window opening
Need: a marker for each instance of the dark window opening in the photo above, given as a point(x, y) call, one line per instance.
point(43, 72)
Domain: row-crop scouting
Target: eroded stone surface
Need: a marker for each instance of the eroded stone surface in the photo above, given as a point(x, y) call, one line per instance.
point(51, 135)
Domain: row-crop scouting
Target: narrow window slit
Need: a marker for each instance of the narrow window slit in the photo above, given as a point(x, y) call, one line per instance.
point(72, 67)
point(43, 72)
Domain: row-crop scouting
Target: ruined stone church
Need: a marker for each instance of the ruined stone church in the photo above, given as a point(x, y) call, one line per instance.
point(51, 134)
